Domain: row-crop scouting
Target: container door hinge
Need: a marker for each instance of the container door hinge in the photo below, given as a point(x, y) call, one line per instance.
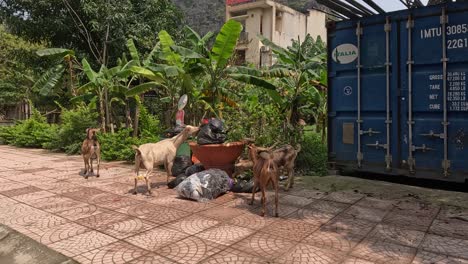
point(423, 148)
point(388, 161)
point(360, 158)
point(370, 132)
point(376, 145)
point(412, 165)
point(431, 134)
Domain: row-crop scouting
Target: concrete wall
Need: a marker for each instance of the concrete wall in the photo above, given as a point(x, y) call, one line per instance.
point(252, 26)
point(316, 25)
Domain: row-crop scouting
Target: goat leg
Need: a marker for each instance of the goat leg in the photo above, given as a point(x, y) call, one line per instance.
point(290, 180)
point(169, 165)
point(148, 184)
point(98, 161)
point(254, 189)
point(275, 183)
point(135, 190)
point(263, 201)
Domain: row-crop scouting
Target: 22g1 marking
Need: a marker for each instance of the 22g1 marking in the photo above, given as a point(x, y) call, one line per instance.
point(457, 43)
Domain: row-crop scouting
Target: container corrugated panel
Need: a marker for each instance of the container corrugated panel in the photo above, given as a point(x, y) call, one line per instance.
point(398, 101)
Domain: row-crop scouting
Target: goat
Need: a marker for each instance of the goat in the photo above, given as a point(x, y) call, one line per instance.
point(90, 149)
point(265, 171)
point(160, 153)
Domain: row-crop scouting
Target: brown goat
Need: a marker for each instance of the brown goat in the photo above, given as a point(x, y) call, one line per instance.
point(90, 149)
point(265, 171)
point(160, 153)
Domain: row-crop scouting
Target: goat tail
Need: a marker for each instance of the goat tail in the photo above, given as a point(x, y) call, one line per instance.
point(298, 148)
point(137, 151)
point(137, 159)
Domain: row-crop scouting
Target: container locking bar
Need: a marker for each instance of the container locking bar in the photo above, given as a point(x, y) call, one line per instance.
point(445, 123)
point(370, 132)
point(410, 62)
point(388, 120)
point(431, 134)
point(377, 145)
point(359, 121)
point(423, 148)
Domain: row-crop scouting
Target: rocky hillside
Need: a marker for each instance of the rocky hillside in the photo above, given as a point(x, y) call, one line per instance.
point(208, 15)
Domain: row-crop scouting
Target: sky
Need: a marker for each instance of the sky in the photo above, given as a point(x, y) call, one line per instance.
point(391, 5)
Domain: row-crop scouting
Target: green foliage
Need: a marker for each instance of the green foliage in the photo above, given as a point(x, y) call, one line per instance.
point(34, 132)
point(312, 160)
point(72, 130)
point(149, 124)
point(118, 146)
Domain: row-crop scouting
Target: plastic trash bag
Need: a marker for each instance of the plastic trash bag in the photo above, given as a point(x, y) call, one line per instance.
point(194, 169)
point(180, 178)
point(205, 185)
point(243, 186)
point(181, 163)
point(212, 133)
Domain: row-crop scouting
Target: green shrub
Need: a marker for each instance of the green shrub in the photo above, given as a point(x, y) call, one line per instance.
point(34, 132)
point(72, 129)
point(148, 123)
point(312, 160)
point(118, 146)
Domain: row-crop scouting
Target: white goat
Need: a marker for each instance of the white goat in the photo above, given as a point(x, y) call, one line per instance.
point(160, 153)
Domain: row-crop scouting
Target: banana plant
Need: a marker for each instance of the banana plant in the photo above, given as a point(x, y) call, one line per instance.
point(65, 62)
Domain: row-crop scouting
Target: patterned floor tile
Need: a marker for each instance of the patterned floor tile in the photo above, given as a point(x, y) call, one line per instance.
point(424, 257)
point(313, 217)
point(384, 252)
point(305, 254)
point(265, 245)
point(156, 238)
point(80, 244)
point(396, 235)
point(365, 213)
point(102, 219)
point(408, 221)
point(371, 202)
point(290, 229)
point(352, 228)
point(233, 256)
point(126, 227)
point(222, 213)
point(20, 191)
point(157, 214)
point(152, 258)
point(6, 187)
point(328, 206)
point(116, 253)
point(193, 224)
point(295, 201)
point(27, 198)
point(446, 246)
point(225, 234)
point(343, 197)
point(331, 241)
point(61, 232)
point(353, 260)
point(251, 221)
point(79, 212)
point(457, 228)
point(190, 250)
point(314, 194)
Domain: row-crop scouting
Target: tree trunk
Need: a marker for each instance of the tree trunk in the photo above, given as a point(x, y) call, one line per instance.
point(107, 119)
point(128, 117)
point(102, 112)
point(137, 117)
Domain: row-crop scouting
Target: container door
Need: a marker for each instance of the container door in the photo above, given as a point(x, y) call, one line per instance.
point(434, 105)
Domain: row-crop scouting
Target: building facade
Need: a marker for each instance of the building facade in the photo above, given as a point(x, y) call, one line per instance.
point(276, 22)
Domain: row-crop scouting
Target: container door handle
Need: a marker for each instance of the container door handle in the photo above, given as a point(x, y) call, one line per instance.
point(423, 148)
point(431, 134)
point(369, 131)
point(377, 145)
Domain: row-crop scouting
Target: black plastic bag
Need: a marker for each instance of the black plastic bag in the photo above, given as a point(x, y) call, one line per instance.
point(243, 186)
point(180, 178)
point(181, 163)
point(194, 169)
point(212, 133)
point(172, 132)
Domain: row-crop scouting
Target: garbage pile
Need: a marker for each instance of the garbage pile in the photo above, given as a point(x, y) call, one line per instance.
point(205, 185)
point(212, 132)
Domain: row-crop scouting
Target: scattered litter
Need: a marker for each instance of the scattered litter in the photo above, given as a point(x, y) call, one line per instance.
point(205, 185)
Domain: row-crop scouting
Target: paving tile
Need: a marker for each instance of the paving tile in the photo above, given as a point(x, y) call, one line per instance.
point(371, 202)
point(224, 198)
point(343, 197)
point(152, 258)
point(82, 243)
point(283, 210)
point(79, 212)
point(222, 213)
point(102, 219)
point(19, 191)
point(351, 228)
point(290, 229)
point(365, 213)
point(82, 193)
point(127, 227)
point(190, 250)
point(57, 204)
point(265, 245)
point(116, 188)
point(305, 254)
point(353, 260)
point(225, 234)
point(408, 221)
point(383, 252)
point(446, 246)
point(115, 253)
point(396, 235)
point(251, 221)
point(61, 232)
point(234, 256)
point(424, 257)
point(296, 201)
point(314, 194)
point(331, 241)
point(313, 217)
point(156, 238)
point(193, 224)
point(457, 228)
point(27, 198)
point(157, 214)
point(328, 206)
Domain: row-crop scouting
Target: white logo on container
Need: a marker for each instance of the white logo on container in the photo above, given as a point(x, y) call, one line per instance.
point(345, 53)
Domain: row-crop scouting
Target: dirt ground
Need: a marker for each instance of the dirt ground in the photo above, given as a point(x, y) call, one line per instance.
point(385, 190)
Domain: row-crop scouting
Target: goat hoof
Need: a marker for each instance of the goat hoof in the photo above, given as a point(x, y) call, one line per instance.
point(97, 176)
point(262, 214)
point(276, 215)
point(134, 193)
point(86, 177)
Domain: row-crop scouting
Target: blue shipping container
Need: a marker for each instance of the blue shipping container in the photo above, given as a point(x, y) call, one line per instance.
point(398, 100)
